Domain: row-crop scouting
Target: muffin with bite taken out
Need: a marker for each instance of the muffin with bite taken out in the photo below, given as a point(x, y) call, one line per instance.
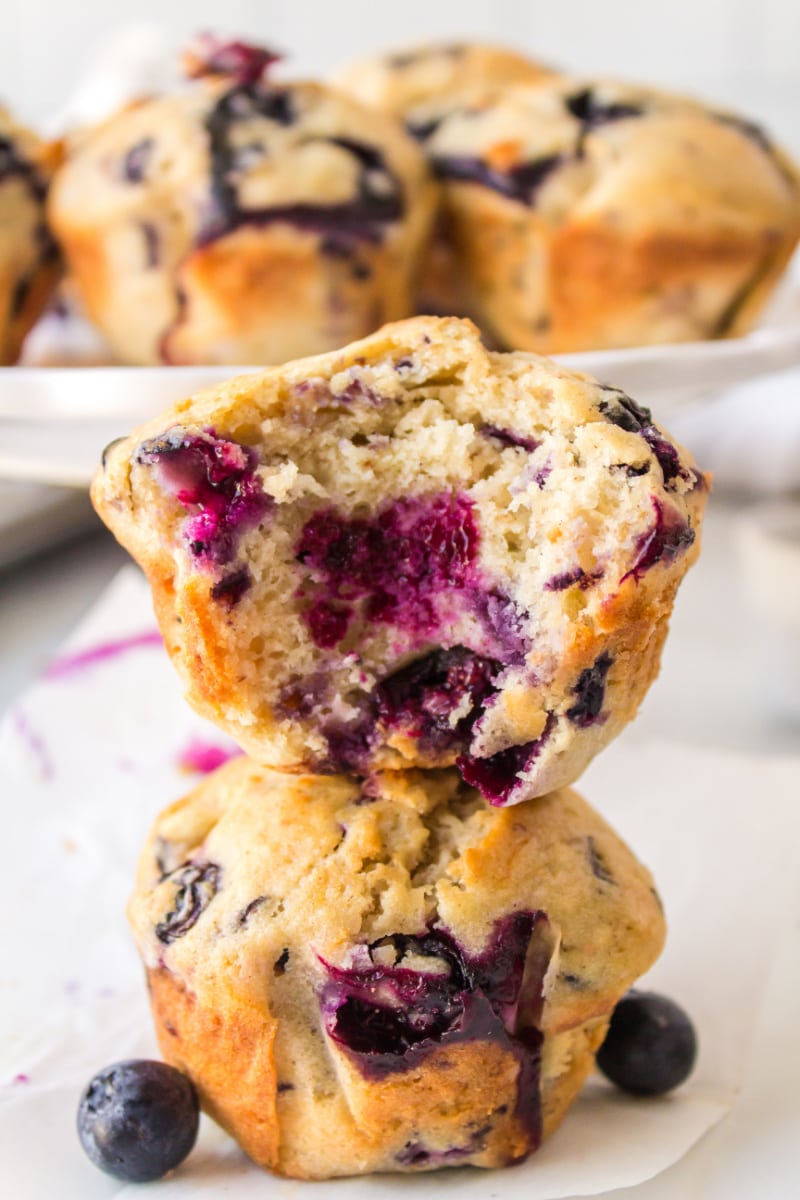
point(412, 552)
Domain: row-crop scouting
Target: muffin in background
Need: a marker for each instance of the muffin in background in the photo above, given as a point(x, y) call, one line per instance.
point(591, 214)
point(421, 85)
point(29, 260)
point(240, 221)
point(386, 975)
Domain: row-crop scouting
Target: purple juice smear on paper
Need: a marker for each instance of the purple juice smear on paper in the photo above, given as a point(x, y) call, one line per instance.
point(70, 664)
point(204, 757)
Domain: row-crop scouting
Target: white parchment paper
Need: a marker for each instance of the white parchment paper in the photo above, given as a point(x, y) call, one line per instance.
point(92, 752)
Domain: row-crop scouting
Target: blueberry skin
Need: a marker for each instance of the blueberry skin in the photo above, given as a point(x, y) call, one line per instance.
point(137, 1120)
point(650, 1047)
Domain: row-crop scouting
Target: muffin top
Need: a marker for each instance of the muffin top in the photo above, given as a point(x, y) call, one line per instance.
point(410, 865)
point(234, 149)
point(423, 83)
point(633, 156)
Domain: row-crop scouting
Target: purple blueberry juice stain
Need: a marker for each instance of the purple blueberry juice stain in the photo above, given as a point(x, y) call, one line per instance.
point(137, 160)
point(412, 566)
point(621, 410)
point(152, 244)
point(420, 699)
point(503, 624)
point(600, 868)
point(203, 757)
point(243, 62)
point(576, 577)
point(81, 660)
point(520, 182)
point(229, 590)
point(21, 1077)
point(215, 480)
point(497, 777)
point(398, 564)
point(35, 744)
point(389, 1016)
point(417, 1154)
point(591, 112)
point(348, 745)
point(669, 535)
point(379, 198)
point(249, 909)
point(589, 693)
point(197, 885)
point(506, 437)
point(328, 623)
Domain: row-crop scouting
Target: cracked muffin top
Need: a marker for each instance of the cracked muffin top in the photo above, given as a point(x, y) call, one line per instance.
point(241, 219)
point(370, 956)
point(589, 213)
point(422, 84)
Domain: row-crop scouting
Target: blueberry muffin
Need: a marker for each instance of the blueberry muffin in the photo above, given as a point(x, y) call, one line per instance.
point(412, 552)
point(422, 84)
point(386, 976)
point(589, 214)
point(29, 261)
point(241, 221)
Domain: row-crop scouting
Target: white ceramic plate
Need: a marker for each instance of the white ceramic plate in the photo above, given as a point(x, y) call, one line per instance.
point(54, 421)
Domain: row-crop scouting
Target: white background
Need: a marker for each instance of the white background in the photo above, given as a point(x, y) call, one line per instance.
point(744, 53)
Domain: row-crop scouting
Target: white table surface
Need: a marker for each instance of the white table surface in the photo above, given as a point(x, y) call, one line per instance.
point(713, 691)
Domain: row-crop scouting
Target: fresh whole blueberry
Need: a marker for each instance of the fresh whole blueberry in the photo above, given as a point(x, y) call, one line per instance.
point(138, 1119)
point(650, 1047)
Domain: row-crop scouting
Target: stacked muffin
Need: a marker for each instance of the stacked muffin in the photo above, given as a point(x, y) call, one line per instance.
point(422, 584)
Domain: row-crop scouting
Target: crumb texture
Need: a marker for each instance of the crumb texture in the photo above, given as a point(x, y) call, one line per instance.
point(412, 553)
